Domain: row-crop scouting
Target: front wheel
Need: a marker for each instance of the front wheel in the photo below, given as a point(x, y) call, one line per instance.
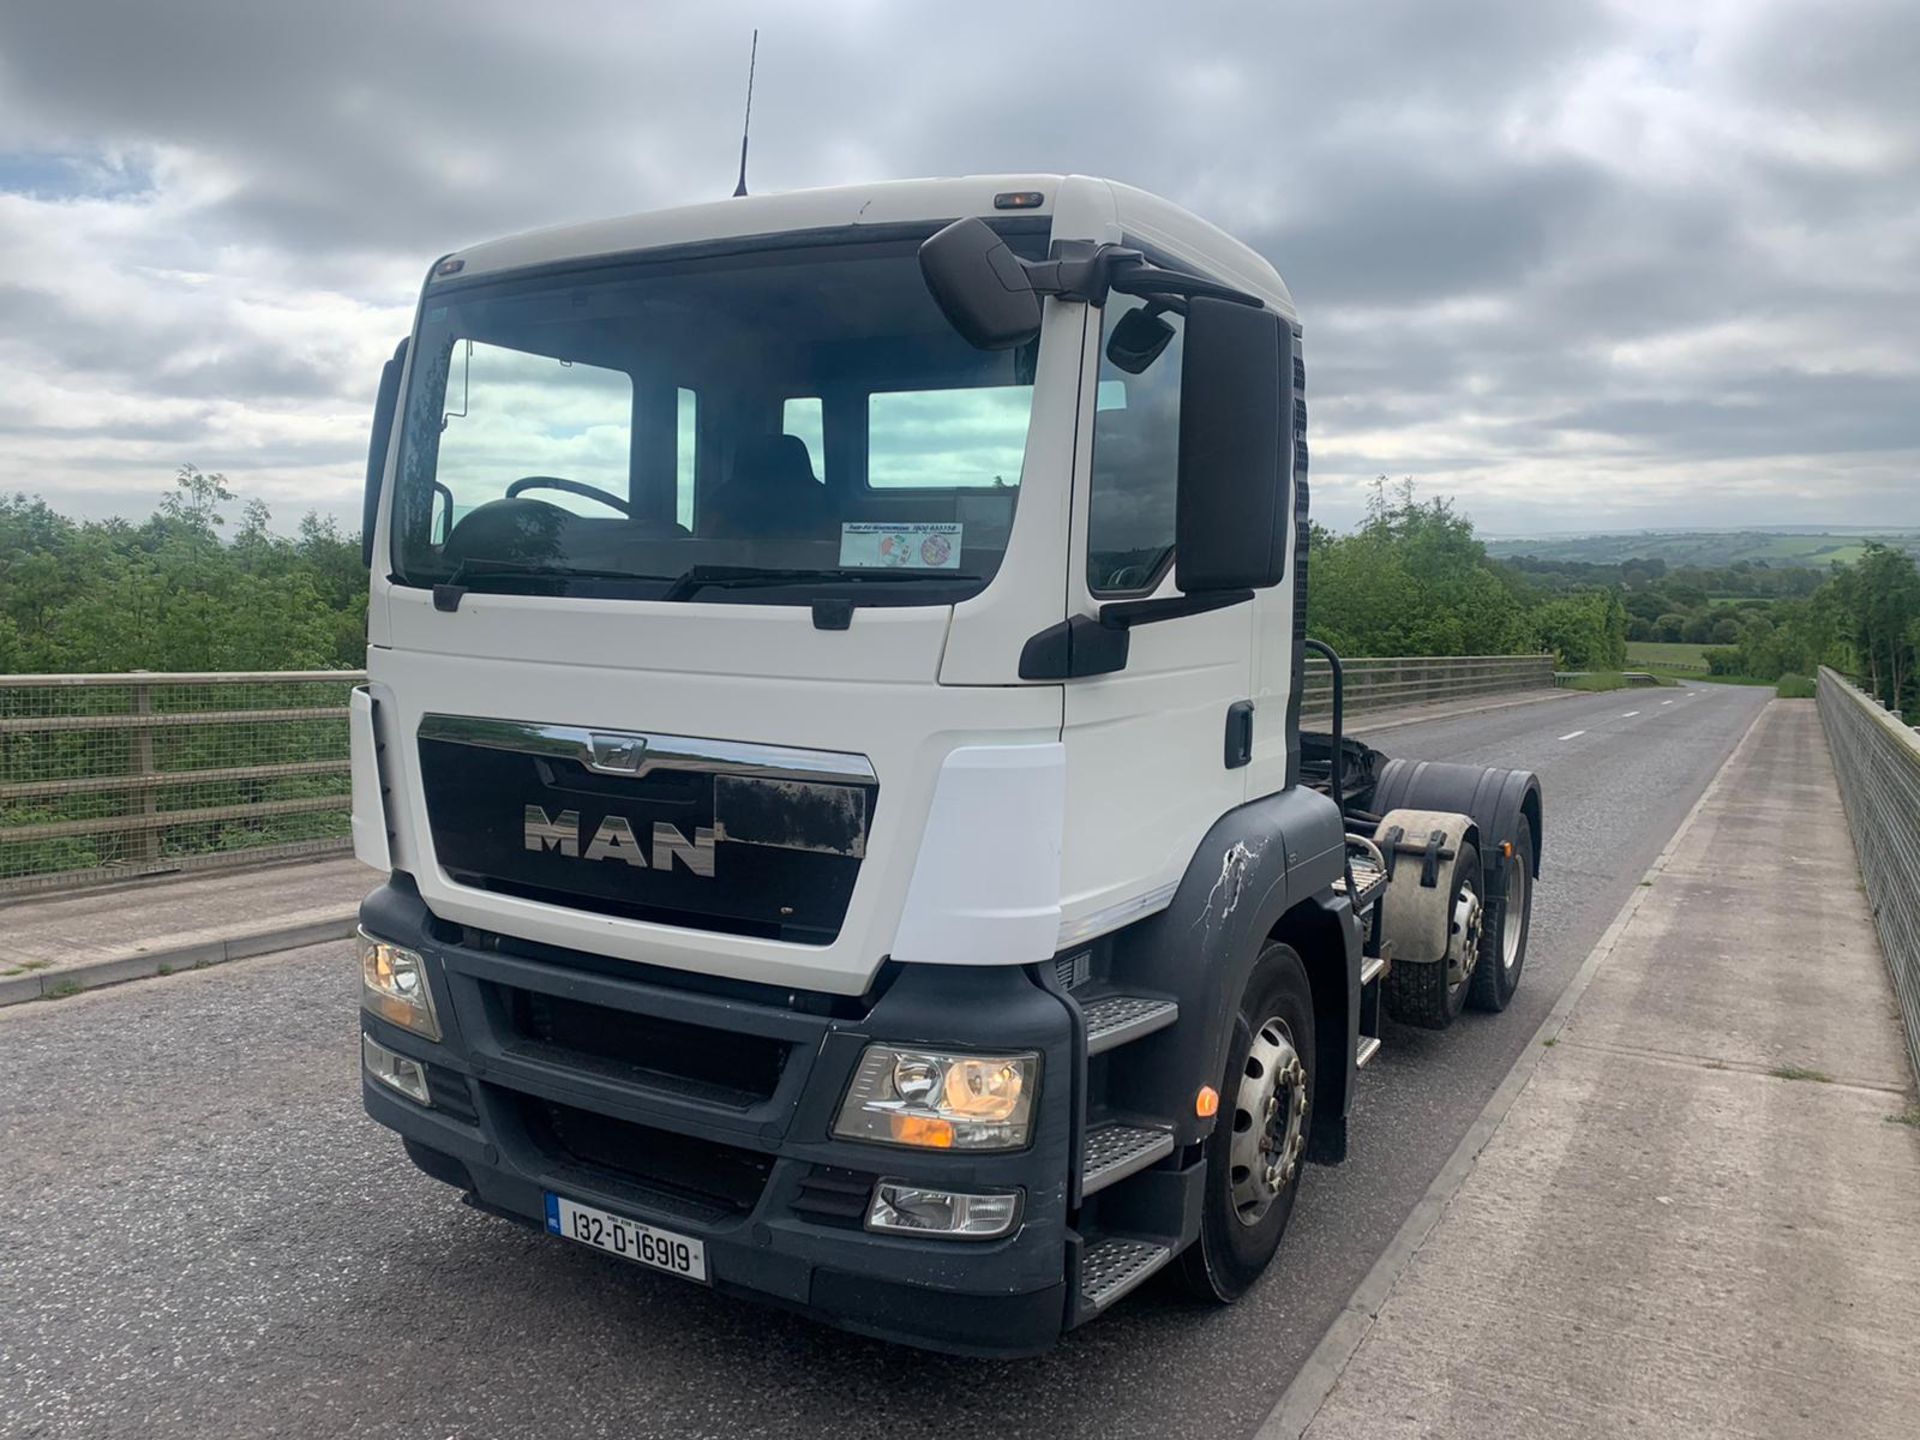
point(1258, 1146)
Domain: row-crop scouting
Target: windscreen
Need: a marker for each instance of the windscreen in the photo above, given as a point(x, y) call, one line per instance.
point(773, 426)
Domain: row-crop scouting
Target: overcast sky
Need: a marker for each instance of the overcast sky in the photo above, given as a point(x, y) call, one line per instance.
point(1581, 265)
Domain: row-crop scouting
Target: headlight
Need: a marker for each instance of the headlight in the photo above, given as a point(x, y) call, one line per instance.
point(940, 1102)
point(394, 986)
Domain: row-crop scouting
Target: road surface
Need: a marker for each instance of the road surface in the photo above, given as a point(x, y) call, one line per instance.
point(204, 1236)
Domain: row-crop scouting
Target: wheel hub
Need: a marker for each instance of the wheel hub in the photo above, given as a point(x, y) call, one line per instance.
point(1269, 1122)
point(1463, 944)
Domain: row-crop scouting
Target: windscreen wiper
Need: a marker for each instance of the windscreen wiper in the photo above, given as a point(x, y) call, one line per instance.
point(730, 577)
point(448, 593)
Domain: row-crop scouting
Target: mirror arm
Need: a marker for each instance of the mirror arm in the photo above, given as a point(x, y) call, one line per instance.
point(1143, 279)
point(1077, 270)
point(1082, 270)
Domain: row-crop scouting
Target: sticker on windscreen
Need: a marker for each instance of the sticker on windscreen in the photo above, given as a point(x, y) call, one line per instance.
point(904, 547)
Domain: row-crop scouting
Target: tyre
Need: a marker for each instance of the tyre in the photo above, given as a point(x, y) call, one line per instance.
point(1258, 1146)
point(1503, 951)
point(1428, 995)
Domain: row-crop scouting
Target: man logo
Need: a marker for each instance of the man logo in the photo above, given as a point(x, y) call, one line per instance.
point(615, 840)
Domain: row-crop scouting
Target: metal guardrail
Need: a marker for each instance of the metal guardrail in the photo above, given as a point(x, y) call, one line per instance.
point(112, 776)
point(1877, 758)
point(106, 777)
point(1375, 683)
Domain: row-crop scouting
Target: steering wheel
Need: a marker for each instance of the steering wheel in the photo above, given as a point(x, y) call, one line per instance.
point(572, 487)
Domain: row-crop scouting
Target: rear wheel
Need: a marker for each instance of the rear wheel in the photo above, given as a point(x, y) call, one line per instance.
point(1258, 1146)
point(1503, 949)
point(1430, 993)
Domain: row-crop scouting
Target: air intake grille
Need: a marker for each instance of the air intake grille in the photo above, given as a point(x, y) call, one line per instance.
point(681, 1172)
point(720, 1066)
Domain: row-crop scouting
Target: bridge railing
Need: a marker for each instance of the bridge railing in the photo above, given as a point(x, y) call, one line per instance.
point(1877, 757)
point(114, 776)
point(106, 777)
point(1375, 683)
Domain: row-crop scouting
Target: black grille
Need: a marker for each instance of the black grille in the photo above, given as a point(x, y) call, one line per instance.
point(670, 847)
point(681, 1172)
point(829, 1195)
point(451, 1097)
point(719, 1066)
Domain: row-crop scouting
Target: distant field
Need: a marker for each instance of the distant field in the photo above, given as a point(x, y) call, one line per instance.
point(1668, 655)
point(1712, 549)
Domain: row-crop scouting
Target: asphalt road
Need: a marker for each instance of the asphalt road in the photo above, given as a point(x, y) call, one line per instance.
point(201, 1234)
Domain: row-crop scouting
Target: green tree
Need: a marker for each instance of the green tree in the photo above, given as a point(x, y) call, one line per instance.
point(1882, 592)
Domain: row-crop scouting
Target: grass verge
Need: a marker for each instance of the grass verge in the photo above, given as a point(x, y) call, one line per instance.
point(1800, 1072)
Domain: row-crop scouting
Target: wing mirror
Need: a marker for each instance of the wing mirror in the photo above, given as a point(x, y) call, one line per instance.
point(383, 408)
point(1234, 498)
point(981, 286)
point(1138, 339)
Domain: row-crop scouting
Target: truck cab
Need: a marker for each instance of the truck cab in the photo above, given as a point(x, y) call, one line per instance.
point(832, 733)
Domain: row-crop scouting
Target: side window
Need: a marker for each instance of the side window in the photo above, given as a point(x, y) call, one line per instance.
point(801, 417)
point(686, 454)
point(971, 439)
point(511, 414)
point(1136, 460)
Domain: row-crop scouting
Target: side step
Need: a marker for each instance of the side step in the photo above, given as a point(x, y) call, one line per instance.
point(1116, 1019)
point(1115, 1264)
point(1372, 968)
point(1116, 1150)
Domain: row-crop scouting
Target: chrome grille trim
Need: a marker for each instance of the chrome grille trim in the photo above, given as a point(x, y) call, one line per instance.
point(637, 753)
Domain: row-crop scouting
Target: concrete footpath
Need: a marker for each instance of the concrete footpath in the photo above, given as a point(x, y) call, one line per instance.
point(1699, 1213)
point(55, 944)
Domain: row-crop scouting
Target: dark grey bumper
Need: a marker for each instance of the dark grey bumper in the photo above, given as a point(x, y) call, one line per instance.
point(752, 1170)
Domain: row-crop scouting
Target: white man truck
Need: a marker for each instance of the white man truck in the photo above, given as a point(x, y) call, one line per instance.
point(833, 730)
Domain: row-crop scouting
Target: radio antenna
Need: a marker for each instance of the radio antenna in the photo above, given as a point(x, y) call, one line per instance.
point(746, 125)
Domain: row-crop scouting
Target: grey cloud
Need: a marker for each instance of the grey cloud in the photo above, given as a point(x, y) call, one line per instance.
point(1478, 206)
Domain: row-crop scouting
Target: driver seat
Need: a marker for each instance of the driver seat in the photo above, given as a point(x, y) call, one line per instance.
point(772, 492)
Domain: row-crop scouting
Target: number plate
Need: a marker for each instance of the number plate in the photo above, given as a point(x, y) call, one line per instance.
point(617, 1235)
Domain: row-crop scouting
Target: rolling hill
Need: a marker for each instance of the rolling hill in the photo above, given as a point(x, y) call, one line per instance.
point(1814, 549)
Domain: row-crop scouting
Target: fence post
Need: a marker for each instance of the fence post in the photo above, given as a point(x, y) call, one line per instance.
point(145, 848)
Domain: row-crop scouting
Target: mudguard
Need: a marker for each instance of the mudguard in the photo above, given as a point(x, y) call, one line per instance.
point(1272, 856)
point(1493, 799)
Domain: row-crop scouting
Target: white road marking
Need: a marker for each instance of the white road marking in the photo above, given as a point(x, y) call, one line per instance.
point(1571, 733)
point(1630, 714)
point(1666, 702)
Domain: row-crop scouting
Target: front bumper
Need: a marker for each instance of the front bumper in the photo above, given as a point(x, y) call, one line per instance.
point(705, 1107)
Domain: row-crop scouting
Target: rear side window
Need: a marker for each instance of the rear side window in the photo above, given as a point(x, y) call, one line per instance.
point(1136, 463)
point(972, 439)
point(802, 417)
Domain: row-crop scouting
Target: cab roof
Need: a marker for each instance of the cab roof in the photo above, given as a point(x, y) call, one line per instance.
point(1080, 207)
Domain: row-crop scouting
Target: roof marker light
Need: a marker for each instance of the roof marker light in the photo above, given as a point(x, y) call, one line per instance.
point(1018, 200)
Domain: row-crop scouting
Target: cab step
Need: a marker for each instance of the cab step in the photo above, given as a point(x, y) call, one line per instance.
point(1369, 1047)
point(1116, 1150)
point(1114, 1020)
point(1115, 1264)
